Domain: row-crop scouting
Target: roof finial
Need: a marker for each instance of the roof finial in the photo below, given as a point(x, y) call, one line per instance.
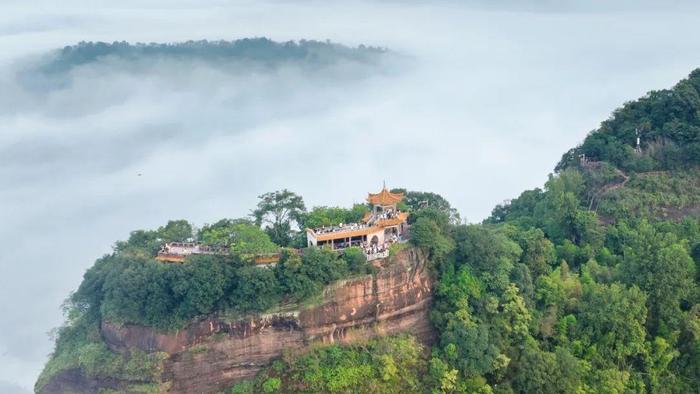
point(383, 184)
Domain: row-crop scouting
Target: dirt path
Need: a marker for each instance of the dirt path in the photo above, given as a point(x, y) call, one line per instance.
point(611, 186)
point(616, 185)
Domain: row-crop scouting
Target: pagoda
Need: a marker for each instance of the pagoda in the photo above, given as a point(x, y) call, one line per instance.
point(382, 226)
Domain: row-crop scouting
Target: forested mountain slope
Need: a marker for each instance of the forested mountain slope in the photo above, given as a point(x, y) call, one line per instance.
point(588, 285)
point(260, 51)
point(667, 122)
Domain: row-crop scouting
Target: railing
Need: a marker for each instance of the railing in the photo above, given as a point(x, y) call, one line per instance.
point(377, 255)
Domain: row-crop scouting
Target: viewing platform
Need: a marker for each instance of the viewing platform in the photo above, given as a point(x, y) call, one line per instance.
point(383, 225)
point(177, 252)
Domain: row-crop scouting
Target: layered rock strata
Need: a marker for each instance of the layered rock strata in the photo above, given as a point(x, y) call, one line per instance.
point(212, 354)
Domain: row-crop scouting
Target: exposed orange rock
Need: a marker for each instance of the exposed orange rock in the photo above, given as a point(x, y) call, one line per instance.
point(213, 354)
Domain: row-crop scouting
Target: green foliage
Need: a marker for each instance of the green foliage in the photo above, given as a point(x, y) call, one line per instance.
point(490, 253)
point(356, 261)
point(547, 296)
point(255, 289)
point(252, 51)
point(669, 123)
point(660, 265)
point(245, 387)
point(426, 233)
point(303, 277)
point(664, 195)
point(611, 324)
point(279, 212)
point(541, 371)
point(79, 346)
point(387, 365)
point(145, 243)
point(331, 216)
point(414, 201)
point(133, 290)
point(539, 253)
point(587, 285)
point(243, 237)
point(128, 286)
point(558, 212)
point(272, 385)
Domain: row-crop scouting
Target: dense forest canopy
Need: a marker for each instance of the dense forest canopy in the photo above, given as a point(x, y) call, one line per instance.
point(588, 285)
point(667, 122)
point(128, 286)
point(259, 51)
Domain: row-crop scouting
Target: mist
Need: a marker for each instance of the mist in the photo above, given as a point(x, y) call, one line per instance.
point(475, 102)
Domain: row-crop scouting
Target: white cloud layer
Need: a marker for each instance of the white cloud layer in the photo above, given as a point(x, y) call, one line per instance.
point(487, 100)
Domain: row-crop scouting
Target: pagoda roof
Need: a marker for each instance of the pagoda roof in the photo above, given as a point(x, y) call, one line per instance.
point(344, 233)
point(400, 218)
point(384, 197)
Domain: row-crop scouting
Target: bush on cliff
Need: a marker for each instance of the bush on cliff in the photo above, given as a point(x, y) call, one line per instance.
point(386, 365)
point(79, 346)
point(128, 288)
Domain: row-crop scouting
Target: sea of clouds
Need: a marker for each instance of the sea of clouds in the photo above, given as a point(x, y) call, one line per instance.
point(477, 102)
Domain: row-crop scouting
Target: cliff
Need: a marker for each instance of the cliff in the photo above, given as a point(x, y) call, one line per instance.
point(214, 353)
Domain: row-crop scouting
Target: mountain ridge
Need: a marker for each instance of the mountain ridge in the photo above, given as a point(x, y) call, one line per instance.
point(589, 284)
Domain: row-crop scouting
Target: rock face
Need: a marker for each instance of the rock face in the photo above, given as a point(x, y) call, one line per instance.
point(213, 354)
point(74, 381)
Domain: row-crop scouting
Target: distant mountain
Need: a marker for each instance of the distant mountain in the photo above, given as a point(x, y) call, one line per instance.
point(260, 51)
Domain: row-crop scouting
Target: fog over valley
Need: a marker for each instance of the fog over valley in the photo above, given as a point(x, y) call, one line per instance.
point(471, 101)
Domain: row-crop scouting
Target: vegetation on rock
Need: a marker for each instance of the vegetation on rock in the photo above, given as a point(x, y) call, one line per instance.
point(590, 284)
point(387, 365)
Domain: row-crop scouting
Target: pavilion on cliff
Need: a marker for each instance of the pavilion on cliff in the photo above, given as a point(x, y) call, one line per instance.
point(382, 226)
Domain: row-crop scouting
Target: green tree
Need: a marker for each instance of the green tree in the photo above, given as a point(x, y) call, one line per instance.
point(255, 289)
point(200, 285)
point(279, 212)
point(661, 266)
point(540, 371)
point(416, 201)
point(611, 324)
point(356, 260)
point(292, 276)
point(272, 385)
point(176, 230)
point(489, 253)
point(243, 238)
point(562, 216)
point(515, 317)
point(427, 234)
point(331, 216)
point(538, 252)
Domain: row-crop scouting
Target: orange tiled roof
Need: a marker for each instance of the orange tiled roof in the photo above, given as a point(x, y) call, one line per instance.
point(345, 234)
point(402, 217)
point(384, 197)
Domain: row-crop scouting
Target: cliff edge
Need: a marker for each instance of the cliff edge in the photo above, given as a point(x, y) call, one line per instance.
point(214, 353)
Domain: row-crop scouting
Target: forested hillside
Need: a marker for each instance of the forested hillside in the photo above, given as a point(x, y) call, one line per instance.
point(587, 285)
point(590, 284)
point(251, 51)
point(667, 122)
